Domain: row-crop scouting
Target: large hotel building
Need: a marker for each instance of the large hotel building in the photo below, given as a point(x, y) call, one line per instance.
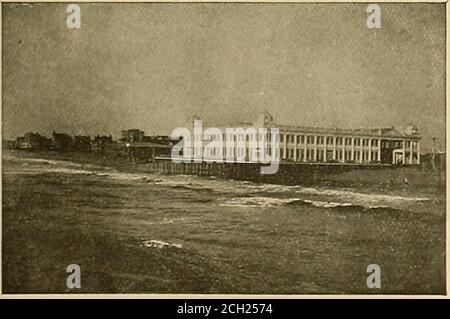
point(333, 145)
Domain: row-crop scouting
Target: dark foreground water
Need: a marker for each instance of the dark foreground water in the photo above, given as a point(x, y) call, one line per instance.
point(181, 234)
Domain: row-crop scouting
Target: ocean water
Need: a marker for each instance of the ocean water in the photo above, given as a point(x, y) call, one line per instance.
point(152, 233)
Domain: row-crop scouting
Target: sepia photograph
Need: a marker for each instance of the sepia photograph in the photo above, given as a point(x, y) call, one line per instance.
point(223, 148)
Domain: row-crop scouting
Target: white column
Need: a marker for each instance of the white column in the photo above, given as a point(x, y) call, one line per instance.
point(352, 156)
point(370, 150)
point(361, 149)
point(344, 139)
point(418, 152)
point(379, 150)
point(295, 148)
point(410, 152)
point(315, 149)
point(305, 147)
point(334, 147)
point(325, 148)
point(284, 145)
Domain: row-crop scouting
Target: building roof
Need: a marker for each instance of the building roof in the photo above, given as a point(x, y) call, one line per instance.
point(383, 132)
point(265, 120)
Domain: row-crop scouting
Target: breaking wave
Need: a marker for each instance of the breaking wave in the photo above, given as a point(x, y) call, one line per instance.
point(361, 198)
point(258, 201)
point(267, 202)
point(160, 244)
point(231, 192)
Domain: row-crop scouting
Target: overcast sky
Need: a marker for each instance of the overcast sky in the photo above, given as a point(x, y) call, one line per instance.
point(152, 66)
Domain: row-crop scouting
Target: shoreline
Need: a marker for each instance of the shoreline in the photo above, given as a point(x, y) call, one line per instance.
point(399, 180)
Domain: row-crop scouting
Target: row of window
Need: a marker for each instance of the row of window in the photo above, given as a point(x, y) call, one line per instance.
point(340, 155)
point(228, 152)
point(328, 140)
point(233, 137)
point(321, 140)
point(399, 144)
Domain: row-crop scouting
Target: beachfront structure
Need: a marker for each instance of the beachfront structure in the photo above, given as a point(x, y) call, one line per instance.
point(132, 135)
point(299, 144)
point(364, 146)
point(32, 141)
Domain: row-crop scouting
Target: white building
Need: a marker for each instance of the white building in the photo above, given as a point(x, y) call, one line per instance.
point(299, 144)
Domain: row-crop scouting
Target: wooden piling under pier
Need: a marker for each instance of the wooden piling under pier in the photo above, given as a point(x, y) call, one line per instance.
point(301, 173)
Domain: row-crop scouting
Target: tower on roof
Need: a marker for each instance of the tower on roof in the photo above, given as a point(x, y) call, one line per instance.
point(263, 119)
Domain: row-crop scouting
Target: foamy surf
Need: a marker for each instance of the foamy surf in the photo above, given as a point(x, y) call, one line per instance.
point(233, 193)
point(257, 201)
point(361, 198)
point(50, 170)
point(323, 204)
point(267, 202)
point(160, 244)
